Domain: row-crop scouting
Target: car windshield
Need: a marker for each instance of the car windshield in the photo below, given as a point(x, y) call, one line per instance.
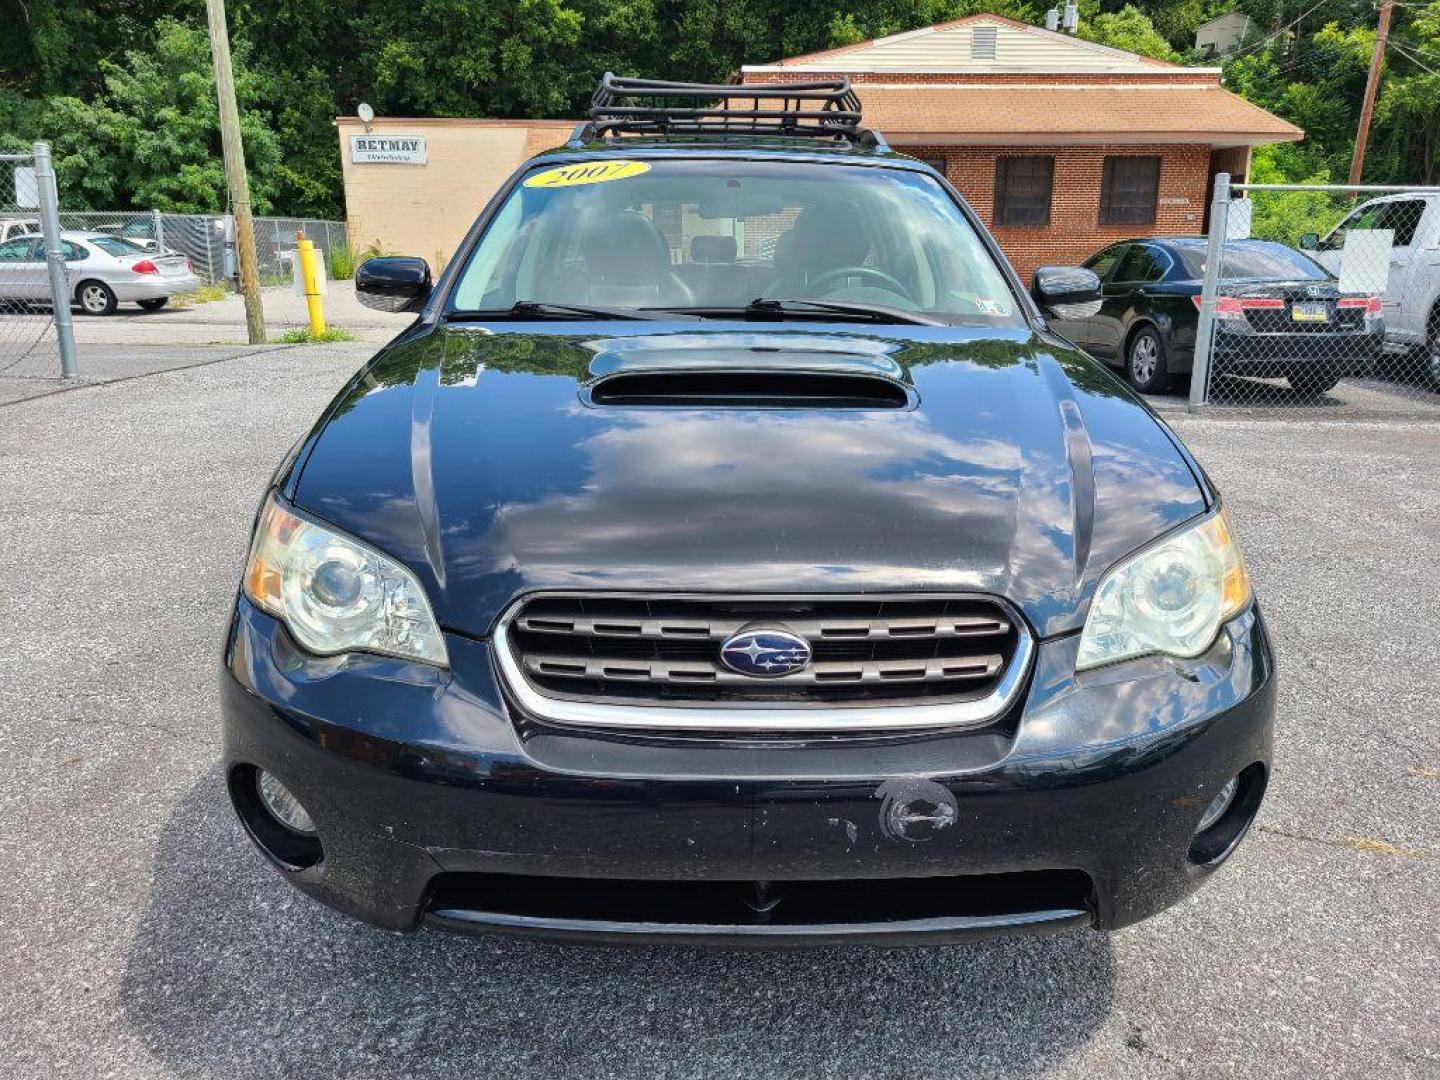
point(711, 235)
point(113, 245)
point(1260, 260)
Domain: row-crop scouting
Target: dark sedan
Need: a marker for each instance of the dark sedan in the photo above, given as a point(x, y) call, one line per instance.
point(1279, 314)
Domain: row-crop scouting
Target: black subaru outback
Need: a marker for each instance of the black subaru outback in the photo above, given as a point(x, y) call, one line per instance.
point(729, 551)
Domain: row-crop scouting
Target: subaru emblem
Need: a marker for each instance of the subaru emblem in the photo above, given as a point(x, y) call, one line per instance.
point(765, 652)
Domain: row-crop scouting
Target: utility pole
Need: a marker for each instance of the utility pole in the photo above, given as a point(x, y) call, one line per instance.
point(235, 177)
point(1372, 84)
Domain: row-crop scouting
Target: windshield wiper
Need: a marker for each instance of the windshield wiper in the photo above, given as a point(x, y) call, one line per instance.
point(879, 312)
point(543, 309)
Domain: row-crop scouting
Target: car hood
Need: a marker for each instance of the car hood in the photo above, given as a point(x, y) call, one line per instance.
point(1019, 468)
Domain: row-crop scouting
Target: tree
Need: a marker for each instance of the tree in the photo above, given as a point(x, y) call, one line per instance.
point(150, 138)
point(1129, 29)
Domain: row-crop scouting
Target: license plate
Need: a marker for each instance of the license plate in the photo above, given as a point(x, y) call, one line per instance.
point(1310, 313)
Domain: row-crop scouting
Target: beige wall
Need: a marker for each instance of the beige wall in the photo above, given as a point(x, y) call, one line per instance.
point(426, 209)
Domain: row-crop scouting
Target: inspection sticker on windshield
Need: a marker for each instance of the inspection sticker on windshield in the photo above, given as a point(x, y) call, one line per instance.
point(587, 172)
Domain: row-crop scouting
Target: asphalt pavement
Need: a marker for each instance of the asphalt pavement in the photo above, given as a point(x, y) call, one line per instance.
point(141, 936)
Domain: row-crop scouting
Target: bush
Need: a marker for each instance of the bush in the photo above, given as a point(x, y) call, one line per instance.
point(341, 263)
point(300, 335)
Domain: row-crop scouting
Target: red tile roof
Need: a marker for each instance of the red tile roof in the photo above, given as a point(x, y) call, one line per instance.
point(977, 112)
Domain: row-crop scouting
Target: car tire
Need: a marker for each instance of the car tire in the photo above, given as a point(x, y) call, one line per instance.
point(154, 304)
point(1431, 356)
point(95, 298)
point(1312, 382)
point(1145, 366)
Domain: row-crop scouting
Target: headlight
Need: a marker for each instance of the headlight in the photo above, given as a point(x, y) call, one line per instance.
point(1170, 598)
point(336, 594)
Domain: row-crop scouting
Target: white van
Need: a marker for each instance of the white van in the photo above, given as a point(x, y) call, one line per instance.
point(13, 227)
point(1412, 291)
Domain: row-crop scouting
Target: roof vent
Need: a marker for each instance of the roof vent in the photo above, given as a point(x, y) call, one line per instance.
point(982, 43)
point(749, 390)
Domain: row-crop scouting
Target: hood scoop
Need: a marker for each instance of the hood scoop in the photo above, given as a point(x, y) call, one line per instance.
point(773, 389)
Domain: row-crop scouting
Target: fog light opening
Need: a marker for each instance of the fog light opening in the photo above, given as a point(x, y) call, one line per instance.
point(1227, 816)
point(275, 818)
point(282, 804)
point(1213, 812)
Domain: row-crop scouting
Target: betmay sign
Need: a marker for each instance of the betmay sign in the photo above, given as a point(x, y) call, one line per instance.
point(387, 149)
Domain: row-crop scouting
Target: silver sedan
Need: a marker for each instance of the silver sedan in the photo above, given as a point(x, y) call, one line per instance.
point(103, 272)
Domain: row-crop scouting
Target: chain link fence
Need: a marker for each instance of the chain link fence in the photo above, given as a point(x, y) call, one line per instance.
point(1319, 297)
point(35, 337)
point(208, 240)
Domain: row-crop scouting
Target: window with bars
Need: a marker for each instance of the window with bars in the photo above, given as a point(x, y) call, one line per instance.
point(1130, 190)
point(1022, 190)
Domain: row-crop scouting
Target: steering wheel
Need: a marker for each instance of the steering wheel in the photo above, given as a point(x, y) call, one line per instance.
point(885, 281)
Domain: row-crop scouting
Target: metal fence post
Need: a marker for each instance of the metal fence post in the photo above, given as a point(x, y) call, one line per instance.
point(1214, 256)
point(55, 259)
point(157, 226)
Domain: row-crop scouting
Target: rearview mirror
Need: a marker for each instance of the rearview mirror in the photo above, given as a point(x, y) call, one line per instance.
point(393, 283)
point(1309, 241)
point(1066, 292)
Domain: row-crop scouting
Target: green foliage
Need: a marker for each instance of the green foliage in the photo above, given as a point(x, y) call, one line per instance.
point(340, 262)
point(1287, 215)
point(123, 89)
point(150, 138)
point(1129, 29)
point(205, 294)
point(301, 335)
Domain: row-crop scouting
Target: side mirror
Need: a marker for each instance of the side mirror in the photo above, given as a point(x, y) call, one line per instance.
point(393, 283)
point(1309, 241)
point(1066, 292)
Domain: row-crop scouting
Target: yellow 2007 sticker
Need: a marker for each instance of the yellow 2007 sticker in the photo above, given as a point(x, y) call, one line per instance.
point(587, 172)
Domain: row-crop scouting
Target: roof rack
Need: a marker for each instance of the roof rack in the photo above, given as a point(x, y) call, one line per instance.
point(825, 109)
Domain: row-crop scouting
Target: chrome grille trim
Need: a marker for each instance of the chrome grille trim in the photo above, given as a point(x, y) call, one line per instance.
point(678, 628)
point(912, 715)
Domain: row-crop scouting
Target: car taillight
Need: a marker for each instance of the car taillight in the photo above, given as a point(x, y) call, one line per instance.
point(1371, 304)
point(145, 266)
point(1226, 307)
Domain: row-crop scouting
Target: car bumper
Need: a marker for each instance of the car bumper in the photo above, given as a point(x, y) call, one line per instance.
point(436, 802)
point(1279, 354)
point(154, 288)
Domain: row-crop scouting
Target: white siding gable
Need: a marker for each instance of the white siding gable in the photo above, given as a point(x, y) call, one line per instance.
point(953, 48)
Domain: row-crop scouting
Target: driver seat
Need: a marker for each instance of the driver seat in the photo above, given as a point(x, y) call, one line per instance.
point(823, 238)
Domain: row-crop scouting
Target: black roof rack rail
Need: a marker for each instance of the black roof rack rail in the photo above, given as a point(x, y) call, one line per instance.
point(825, 109)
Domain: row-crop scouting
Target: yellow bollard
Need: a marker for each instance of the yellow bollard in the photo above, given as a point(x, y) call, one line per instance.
point(310, 279)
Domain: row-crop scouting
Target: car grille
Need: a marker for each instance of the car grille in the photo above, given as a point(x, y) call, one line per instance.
point(658, 650)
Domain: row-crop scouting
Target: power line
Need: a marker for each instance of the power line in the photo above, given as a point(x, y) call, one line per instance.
point(1271, 37)
point(1405, 52)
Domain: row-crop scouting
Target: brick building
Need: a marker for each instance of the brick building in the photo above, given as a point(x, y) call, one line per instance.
point(1061, 145)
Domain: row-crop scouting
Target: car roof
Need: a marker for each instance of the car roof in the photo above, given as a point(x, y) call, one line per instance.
point(1198, 241)
point(742, 147)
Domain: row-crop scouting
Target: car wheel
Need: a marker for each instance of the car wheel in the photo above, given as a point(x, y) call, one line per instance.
point(1312, 382)
point(1432, 351)
point(154, 305)
point(95, 298)
point(1145, 362)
